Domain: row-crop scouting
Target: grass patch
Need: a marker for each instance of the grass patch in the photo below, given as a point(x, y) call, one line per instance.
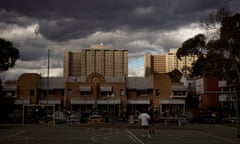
point(233, 125)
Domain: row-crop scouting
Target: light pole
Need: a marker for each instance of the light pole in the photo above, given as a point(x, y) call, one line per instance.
point(112, 96)
point(48, 71)
point(236, 101)
point(231, 43)
point(22, 110)
point(108, 104)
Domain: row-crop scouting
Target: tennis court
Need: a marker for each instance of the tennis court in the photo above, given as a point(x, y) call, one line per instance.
point(115, 134)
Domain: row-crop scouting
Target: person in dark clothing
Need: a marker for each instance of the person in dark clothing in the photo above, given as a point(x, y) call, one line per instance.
point(151, 121)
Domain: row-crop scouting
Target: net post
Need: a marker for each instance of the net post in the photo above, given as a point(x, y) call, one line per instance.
point(22, 114)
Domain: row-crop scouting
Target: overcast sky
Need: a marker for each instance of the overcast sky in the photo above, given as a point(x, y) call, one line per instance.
point(140, 26)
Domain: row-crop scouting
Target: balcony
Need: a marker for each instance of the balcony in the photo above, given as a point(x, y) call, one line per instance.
point(227, 98)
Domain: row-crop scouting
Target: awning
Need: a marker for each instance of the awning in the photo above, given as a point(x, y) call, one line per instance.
point(172, 101)
point(226, 98)
point(22, 101)
point(136, 101)
point(82, 101)
point(179, 88)
point(85, 88)
point(109, 101)
point(106, 88)
point(50, 101)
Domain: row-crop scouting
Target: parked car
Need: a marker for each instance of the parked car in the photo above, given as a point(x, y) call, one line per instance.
point(208, 117)
point(187, 115)
point(60, 117)
point(95, 119)
point(75, 117)
point(230, 119)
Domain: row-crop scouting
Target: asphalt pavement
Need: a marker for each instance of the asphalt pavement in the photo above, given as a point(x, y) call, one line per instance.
point(118, 133)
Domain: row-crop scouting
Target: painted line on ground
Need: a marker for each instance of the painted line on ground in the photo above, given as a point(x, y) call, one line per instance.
point(99, 139)
point(134, 137)
point(220, 138)
point(12, 135)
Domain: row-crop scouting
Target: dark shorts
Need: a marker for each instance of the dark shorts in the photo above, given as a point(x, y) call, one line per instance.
point(145, 127)
point(151, 121)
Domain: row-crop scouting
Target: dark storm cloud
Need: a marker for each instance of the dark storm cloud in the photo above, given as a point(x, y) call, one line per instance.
point(140, 26)
point(68, 19)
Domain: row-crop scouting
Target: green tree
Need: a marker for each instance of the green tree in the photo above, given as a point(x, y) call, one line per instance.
point(218, 53)
point(175, 75)
point(218, 56)
point(8, 56)
point(6, 105)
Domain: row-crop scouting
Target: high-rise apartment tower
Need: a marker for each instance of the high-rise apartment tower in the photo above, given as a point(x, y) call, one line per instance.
point(172, 62)
point(107, 62)
point(167, 63)
point(154, 64)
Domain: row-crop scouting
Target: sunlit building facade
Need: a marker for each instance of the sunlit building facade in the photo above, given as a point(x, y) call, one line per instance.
point(154, 64)
point(167, 63)
point(172, 62)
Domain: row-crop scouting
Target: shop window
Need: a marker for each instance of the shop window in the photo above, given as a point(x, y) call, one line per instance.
point(142, 93)
point(32, 93)
point(85, 93)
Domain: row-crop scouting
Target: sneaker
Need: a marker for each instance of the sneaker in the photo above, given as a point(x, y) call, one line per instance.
point(149, 136)
point(151, 131)
point(143, 136)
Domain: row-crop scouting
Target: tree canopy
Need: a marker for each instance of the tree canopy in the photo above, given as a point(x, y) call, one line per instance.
point(8, 55)
point(175, 75)
point(219, 56)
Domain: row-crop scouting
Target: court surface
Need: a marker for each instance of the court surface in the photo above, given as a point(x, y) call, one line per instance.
point(115, 134)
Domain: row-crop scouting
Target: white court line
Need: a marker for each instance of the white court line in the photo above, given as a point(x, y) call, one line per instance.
point(97, 140)
point(137, 139)
point(220, 138)
point(12, 135)
point(132, 138)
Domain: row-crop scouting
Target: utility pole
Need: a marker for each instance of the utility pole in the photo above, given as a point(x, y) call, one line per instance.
point(48, 74)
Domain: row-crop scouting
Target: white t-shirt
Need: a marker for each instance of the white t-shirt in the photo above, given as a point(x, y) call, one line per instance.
point(144, 117)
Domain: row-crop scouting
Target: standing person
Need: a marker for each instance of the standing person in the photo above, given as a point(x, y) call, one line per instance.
point(144, 119)
point(151, 121)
